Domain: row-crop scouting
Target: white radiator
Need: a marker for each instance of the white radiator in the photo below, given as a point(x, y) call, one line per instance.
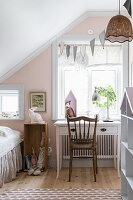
point(105, 148)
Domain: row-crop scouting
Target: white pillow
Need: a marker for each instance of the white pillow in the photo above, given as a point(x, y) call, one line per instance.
point(2, 133)
point(5, 131)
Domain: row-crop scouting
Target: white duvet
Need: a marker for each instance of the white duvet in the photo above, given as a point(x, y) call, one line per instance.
point(9, 139)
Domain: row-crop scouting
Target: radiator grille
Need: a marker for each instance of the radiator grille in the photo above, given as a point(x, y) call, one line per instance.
point(105, 148)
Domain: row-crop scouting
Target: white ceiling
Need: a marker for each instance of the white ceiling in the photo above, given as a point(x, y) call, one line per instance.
point(26, 25)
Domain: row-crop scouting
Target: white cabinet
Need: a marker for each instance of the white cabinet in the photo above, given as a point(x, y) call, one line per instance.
point(127, 145)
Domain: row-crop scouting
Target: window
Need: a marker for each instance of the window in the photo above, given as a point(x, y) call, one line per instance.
point(103, 69)
point(107, 76)
point(11, 102)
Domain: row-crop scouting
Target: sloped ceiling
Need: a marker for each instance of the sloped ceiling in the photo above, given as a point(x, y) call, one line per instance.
point(26, 25)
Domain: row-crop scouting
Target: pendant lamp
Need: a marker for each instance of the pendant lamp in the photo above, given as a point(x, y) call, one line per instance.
point(119, 29)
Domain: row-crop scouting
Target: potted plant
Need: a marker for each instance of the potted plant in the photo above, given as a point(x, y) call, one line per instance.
point(109, 100)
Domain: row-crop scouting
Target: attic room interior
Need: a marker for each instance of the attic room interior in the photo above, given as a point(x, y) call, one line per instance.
point(66, 99)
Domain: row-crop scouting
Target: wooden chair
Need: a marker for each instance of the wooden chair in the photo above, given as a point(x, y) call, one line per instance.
point(82, 137)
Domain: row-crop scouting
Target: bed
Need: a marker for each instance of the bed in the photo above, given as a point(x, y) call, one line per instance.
point(10, 154)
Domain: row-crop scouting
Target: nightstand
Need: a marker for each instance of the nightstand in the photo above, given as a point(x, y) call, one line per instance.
point(32, 138)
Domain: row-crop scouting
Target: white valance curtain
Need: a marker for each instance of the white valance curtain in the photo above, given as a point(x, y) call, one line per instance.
point(110, 54)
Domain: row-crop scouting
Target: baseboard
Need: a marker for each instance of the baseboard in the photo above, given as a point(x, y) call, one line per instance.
point(52, 163)
point(89, 163)
point(82, 163)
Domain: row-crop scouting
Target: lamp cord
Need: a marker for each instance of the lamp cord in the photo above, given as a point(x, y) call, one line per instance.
point(119, 7)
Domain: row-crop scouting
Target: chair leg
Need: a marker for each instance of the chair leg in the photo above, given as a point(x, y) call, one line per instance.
point(94, 165)
point(70, 166)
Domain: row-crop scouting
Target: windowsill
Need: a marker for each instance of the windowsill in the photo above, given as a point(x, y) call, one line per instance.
point(11, 119)
point(113, 119)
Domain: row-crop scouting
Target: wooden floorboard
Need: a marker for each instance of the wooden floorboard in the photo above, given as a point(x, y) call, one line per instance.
point(81, 178)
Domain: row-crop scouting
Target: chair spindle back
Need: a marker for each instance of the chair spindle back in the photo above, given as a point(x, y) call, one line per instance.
point(81, 128)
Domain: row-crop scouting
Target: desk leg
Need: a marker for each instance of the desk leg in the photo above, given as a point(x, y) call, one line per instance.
point(58, 152)
point(115, 143)
point(60, 140)
point(118, 156)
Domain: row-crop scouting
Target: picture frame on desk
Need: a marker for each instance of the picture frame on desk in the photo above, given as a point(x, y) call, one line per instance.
point(38, 99)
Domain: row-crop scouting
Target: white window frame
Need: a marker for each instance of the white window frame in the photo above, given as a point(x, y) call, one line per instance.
point(20, 89)
point(75, 38)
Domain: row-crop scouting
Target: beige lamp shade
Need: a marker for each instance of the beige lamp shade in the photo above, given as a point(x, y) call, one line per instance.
point(119, 29)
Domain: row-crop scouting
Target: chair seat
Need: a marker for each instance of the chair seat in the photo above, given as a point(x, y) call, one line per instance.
point(82, 145)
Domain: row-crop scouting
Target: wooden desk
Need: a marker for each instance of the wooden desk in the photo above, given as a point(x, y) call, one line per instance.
point(103, 129)
point(32, 138)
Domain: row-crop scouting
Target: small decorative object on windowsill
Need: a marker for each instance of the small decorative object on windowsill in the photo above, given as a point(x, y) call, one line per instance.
point(70, 105)
point(107, 92)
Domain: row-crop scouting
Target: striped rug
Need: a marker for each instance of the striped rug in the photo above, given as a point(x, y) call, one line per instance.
point(61, 194)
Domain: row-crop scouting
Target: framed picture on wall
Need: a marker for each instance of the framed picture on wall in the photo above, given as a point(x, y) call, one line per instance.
point(38, 99)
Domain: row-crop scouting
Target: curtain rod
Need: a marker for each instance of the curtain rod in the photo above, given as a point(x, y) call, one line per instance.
point(89, 45)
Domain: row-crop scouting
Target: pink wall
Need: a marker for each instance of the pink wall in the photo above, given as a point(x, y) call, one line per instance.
point(37, 76)
point(97, 24)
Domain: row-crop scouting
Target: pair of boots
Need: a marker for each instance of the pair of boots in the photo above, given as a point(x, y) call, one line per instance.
point(34, 171)
point(36, 165)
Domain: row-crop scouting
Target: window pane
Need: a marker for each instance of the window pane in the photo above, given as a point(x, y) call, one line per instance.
point(10, 103)
point(103, 78)
point(114, 54)
point(77, 81)
point(99, 56)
